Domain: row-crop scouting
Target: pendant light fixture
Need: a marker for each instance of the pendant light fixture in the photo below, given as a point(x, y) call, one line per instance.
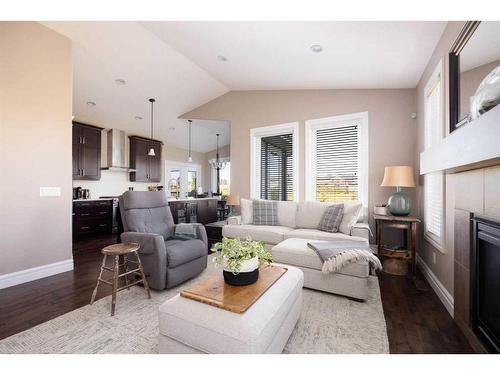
point(190, 159)
point(218, 165)
point(152, 150)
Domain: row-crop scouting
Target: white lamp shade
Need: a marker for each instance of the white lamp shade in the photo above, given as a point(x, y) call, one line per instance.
point(151, 152)
point(399, 176)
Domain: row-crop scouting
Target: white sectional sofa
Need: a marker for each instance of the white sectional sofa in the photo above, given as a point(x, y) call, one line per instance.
point(298, 223)
point(297, 220)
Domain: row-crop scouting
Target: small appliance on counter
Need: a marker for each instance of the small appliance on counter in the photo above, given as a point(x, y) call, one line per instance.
point(77, 192)
point(85, 194)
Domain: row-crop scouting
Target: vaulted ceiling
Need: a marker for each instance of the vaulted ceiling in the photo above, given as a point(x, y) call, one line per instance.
point(186, 64)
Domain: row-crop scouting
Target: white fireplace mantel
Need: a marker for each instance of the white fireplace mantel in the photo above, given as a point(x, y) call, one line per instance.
point(474, 145)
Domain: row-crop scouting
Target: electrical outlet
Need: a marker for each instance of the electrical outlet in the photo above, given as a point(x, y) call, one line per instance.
point(433, 257)
point(50, 191)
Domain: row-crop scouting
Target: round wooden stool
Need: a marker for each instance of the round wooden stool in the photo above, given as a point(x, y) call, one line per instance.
point(122, 250)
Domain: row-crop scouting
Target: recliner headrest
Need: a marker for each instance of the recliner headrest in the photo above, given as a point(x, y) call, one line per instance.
point(144, 199)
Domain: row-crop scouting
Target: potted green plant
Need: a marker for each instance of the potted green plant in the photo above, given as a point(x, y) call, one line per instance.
point(241, 259)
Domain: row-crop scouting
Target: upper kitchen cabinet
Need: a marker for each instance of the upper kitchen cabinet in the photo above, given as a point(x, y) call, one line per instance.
point(86, 152)
point(147, 168)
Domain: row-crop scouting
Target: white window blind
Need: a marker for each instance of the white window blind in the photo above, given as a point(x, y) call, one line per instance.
point(276, 167)
point(433, 183)
point(335, 156)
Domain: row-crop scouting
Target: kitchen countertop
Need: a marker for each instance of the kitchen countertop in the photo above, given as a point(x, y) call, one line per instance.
point(92, 199)
point(190, 199)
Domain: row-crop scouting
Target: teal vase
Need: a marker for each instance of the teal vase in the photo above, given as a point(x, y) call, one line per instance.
point(399, 204)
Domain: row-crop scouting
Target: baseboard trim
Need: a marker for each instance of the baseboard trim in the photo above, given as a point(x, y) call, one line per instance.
point(35, 273)
point(442, 293)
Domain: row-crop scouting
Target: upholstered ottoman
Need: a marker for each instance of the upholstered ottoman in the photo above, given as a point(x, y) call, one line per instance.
point(188, 326)
point(351, 281)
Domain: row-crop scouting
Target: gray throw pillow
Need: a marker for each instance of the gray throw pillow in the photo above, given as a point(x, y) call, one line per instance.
point(330, 222)
point(265, 212)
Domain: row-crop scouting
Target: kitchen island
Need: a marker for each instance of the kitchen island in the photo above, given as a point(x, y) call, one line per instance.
point(194, 210)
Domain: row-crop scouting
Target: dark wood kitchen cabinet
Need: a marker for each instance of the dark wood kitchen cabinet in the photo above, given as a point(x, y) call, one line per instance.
point(147, 168)
point(86, 152)
point(92, 217)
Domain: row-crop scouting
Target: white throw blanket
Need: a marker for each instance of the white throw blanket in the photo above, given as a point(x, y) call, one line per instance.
point(338, 254)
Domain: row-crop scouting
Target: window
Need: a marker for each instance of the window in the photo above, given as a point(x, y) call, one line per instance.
point(183, 178)
point(337, 159)
point(433, 182)
point(191, 188)
point(174, 183)
point(274, 168)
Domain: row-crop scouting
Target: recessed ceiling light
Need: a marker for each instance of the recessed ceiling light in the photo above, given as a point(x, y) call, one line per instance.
point(120, 81)
point(138, 117)
point(91, 104)
point(222, 58)
point(316, 48)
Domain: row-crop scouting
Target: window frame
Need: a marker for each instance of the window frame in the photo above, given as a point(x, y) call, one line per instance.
point(437, 77)
point(265, 131)
point(361, 120)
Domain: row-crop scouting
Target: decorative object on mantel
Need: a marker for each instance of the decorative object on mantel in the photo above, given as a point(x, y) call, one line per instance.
point(233, 201)
point(399, 203)
point(217, 165)
point(241, 259)
point(190, 159)
point(487, 95)
point(151, 151)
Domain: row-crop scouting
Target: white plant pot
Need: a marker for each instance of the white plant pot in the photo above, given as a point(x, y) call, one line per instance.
point(246, 266)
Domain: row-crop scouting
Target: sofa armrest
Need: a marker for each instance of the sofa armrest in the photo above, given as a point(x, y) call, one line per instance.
point(234, 220)
point(361, 230)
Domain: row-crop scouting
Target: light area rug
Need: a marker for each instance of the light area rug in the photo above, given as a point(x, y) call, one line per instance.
point(328, 324)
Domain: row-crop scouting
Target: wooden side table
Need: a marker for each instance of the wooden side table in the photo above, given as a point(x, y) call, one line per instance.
point(406, 223)
point(117, 251)
point(214, 233)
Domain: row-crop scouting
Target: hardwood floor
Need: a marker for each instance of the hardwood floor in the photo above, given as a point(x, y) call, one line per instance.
point(417, 322)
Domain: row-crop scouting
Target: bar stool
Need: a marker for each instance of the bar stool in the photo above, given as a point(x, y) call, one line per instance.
point(116, 251)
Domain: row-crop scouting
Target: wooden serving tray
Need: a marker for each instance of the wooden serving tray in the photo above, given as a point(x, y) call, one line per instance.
point(215, 292)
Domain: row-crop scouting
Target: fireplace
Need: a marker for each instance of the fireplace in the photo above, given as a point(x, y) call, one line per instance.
point(485, 282)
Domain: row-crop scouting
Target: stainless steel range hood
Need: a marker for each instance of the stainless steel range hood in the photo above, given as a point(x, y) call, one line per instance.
point(116, 149)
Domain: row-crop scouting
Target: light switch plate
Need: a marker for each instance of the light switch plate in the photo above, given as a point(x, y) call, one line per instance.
point(50, 191)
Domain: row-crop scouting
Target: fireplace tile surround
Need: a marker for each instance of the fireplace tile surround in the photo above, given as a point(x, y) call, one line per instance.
point(476, 192)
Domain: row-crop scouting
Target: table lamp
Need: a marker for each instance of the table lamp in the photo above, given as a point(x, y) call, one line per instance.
point(399, 203)
point(232, 201)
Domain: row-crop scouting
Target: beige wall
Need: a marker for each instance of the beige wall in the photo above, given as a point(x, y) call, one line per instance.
point(35, 145)
point(443, 267)
point(392, 132)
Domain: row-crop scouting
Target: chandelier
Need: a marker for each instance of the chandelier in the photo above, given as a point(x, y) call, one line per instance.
point(217, 163)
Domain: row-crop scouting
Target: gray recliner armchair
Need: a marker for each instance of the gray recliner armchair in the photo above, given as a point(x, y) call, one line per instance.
point(167, 260)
